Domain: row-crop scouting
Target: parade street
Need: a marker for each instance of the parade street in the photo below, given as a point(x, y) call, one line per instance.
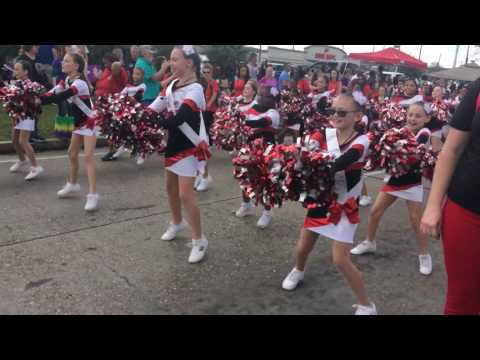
point(57, 259)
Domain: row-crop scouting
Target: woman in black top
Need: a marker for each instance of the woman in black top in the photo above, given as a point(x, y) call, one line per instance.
point(455, 188)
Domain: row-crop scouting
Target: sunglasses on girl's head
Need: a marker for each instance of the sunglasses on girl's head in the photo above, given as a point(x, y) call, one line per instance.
point(340, 113)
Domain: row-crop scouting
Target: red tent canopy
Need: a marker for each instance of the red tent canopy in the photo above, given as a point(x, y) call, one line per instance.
point(390, 56)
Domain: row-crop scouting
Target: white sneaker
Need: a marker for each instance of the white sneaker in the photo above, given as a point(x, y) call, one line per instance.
point(425, 264)
point(140, 160)
point(34, 172)
point(265, 219)
point(293, 279)
point(365, 310)
point(119, 152)
point(68, 189)
point(246, 209)
point(365, 201)
point(92, 202)
point(204, 184)
point(173, 230)
point(198, 179)
point(199, 248)
point(19, 166)
point(364, 247)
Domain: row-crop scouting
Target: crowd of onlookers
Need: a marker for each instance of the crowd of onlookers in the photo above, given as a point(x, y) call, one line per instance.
point(118, 68)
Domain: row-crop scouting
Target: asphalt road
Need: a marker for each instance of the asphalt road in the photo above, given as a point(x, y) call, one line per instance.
point(56, 259)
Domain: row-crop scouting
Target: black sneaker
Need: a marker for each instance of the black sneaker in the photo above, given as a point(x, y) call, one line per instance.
point(109, 156)
point(37, 139)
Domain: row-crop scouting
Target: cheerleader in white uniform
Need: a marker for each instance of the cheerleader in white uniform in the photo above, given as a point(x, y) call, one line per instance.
point(408, 187)
point(248, 98)
point(21, 132)
point(338, 222)
point(410, 94)
point(135, 91)
point(265, 120)
point(76, 92)
point(187, 146)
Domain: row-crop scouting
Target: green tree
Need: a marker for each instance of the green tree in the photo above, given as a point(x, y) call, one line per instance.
point(227, 56)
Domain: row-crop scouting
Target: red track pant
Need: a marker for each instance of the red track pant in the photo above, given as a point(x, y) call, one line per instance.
point(461, 242)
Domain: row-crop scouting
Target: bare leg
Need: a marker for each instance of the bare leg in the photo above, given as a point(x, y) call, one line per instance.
point(415, 210)
point(382, 203)
point(343, 262)
point(27, 148)
point(16, 144)
point(89, 145)
point(174, 197)
point(304, 247)
point(205, 175)
point(73, 151)
point(364, 189)
point(188, 198)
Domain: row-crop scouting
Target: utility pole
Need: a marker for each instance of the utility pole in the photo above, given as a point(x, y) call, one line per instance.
point(456, 55)
point(260, 56)
point(468, 53)
point(420, 54)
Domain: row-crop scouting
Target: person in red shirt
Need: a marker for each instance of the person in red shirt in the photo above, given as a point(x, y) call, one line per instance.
point(240, 80)
point(202, 183)
point(303, 84)
point(334, 85)
point(112, 79)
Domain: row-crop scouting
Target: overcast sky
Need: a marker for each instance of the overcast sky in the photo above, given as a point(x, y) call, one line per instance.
point(430, 53)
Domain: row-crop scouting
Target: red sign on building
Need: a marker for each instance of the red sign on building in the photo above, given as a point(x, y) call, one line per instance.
point(325, 56)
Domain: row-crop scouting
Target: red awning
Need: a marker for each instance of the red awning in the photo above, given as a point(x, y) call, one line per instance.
point(390, 56)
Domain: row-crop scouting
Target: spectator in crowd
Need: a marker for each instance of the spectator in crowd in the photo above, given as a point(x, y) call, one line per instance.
point(263, 69)
point(145, 62)
point(45, 59)
point(269, 78)
point(252, 66)
point(302, 81)
point(113, 78)
point(164, 75)
point(130, 63)
point(118, 52)
point(241, 79)
point(57, 73)
point(334, 84)
point(284, 78)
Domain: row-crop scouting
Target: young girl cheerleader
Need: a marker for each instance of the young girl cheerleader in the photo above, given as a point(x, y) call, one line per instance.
point(187, 146)
point(136, 91)
point(75, 91)
point(265, 121)
point(350, 150)
point(247, 100)
point(203, 182)
point(408, 187)
point(21, 132)
point(410, 94)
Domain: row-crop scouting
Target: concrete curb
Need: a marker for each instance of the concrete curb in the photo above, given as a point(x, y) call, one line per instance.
point(6, 147)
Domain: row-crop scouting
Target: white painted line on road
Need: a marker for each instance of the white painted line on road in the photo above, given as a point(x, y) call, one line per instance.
point(48, 158)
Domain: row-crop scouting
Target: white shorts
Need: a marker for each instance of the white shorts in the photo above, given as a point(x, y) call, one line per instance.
point(413, 194)
point(27, 125)
point(84, 131)
point(186, 167)
point(343, 232)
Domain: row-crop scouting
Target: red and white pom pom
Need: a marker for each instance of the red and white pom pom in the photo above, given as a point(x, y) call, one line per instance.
point(229, 131)
point(128, 123)
point(398, 151)
point(20, 99)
